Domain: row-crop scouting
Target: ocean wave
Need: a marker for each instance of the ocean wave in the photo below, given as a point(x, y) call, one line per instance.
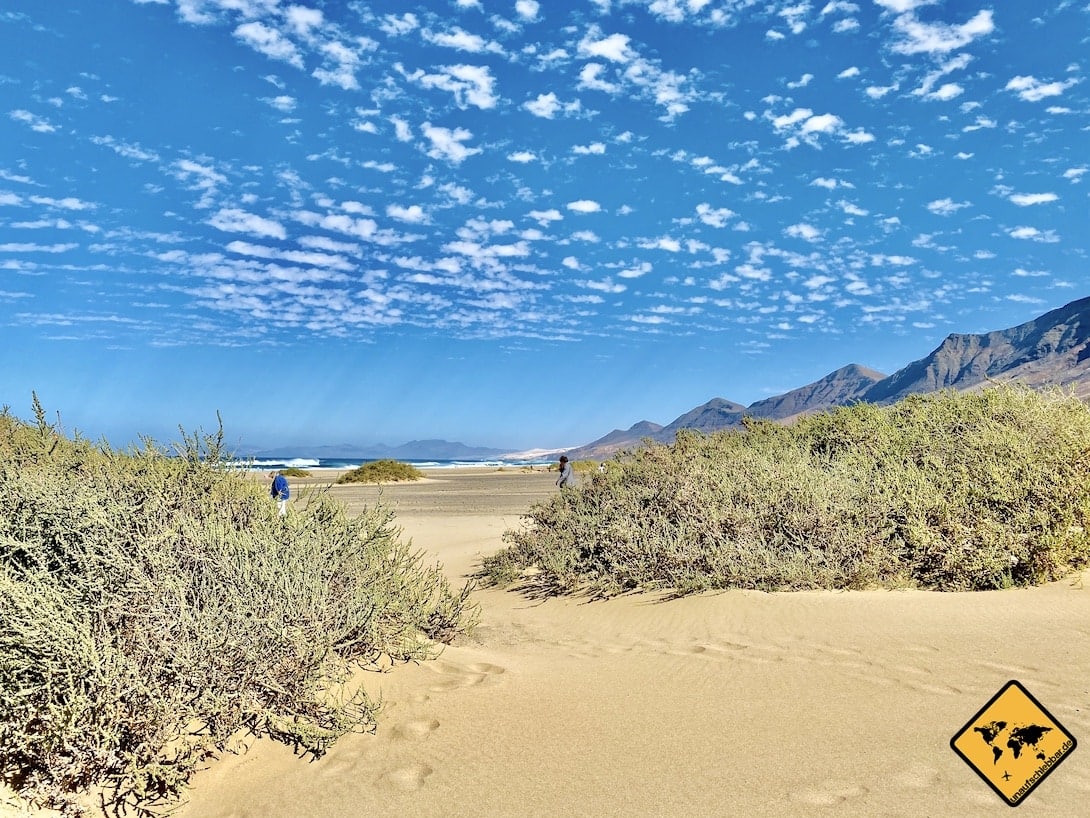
point(287, 463)
point(346, 463)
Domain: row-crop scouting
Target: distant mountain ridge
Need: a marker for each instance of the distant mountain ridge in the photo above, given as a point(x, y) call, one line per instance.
point(1050, 350)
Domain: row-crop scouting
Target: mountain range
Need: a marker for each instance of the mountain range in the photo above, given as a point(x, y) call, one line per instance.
point(1051, 350)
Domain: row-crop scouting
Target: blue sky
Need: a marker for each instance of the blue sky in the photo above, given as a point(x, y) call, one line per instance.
point(517, 224)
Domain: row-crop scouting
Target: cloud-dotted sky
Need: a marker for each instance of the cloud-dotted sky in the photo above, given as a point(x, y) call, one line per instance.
point(517, 223)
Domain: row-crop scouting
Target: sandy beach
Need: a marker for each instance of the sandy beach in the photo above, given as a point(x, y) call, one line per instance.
point(735, 703)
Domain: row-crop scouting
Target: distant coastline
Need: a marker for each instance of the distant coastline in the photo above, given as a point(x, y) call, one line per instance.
point(267, 463)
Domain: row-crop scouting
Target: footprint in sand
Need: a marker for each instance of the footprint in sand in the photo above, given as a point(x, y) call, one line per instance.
point(831, 794)
point(416, 729)
point(458, 676)
point(408, 778)
point(917, 777)
point(715, 650)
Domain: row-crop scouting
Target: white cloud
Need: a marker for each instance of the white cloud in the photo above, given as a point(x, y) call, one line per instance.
point(981, 123)
point(35, 122)
point(303, 21)
point(67, 203)
point(584, 206)
point(806, 232)
point(522, 157)
point(1075, 174)
point(283, 103)
point(789, 120)
point(817, 281)
point(312, 259)
point(946, 92)
point(446, 143)
point(25, 247)
point(527, 9)
point(879, 91)
point(613, 48)
point(822, 123)
point(590, 77)
point(858, 137)
point(946, 207)
point(1033, 234)
point(470, 84)
point(270, 42)
point(402, 131)
point(127, 150)
point(903, 6)
point(667, 243)
point(461, 40)
point(234, 220)
point(1031, 89)
point(793, 16)
point(882, 260)
point(1026, 199)
point(413, 214)
point(848, 73)
point(606, 285)
point(342, 62)
point(545, 106)
point(666, 89)
point(713, 216)
point(545, 217)
point(399, 26)
point(593, 149)
point(916, 37)
point(641, 269)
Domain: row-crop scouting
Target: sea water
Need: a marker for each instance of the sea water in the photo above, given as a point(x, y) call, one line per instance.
point(343, 463)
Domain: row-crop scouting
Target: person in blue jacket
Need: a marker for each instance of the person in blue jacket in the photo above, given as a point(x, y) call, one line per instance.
point(280, 492)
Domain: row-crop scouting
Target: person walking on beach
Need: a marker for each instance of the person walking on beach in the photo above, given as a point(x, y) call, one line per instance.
point(565, 478)
point(280, 492)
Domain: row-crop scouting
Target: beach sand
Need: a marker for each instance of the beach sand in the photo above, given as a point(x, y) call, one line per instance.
point(734, 703)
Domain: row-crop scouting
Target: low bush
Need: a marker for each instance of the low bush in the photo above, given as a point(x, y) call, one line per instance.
point(152, 606)
point(578, 466)
point(382, 471)
point(944, 491)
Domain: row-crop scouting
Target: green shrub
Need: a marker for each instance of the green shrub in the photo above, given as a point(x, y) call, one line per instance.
point(382, 471)
point(945, 491)
point(151, 606)
point(578, 466)
point(294, 471)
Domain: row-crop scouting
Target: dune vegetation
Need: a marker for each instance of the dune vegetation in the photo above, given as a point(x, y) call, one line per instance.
point(946, 491)
point(294, 471)
point(382, 471)
point(153, 608)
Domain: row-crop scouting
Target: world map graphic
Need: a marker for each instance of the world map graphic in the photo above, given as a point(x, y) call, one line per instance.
point(1017, 738)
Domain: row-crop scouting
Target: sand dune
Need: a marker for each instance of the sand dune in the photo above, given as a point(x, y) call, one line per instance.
point(738, 703)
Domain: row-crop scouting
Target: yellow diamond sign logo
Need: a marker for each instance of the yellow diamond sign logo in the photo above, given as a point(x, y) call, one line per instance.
point(1013, 743)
